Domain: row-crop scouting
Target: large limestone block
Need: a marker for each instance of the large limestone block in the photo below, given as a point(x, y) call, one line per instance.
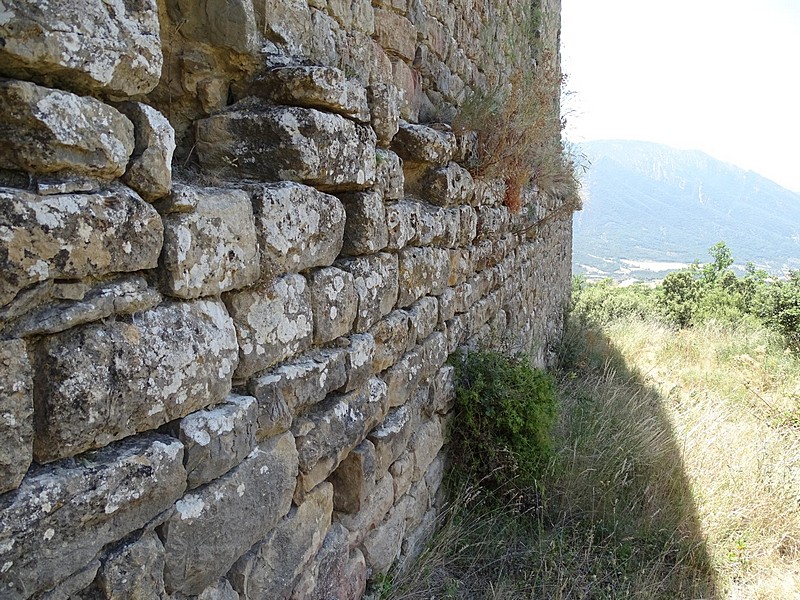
point(402, 378)
point(259, 141)
point(110, 493)
point(431, 225)
point(424, 144)
point(403, 218)
point(468, 225)
point(365, 230)
point(292, 388)
point(272, 567)
point(448, 186)
point(323, 88)
point(112, 47)
point(102, 382)
point(133, 570)
point(422, 271)
point(216, 440)
point(336, 571)
point(493, 222)
point(216, 524)
point(423, 316)
point(48, 131)
point(389, 178)
point(376, 281)
point(384, 103)
point(360, 349)
point(298, 227)
point(333, 428)
point(73, 236)
point(150, 168)
point(221, 23)
point(334, 303)
point(382, 545)
point(273, 322)
point(211, 249)
point(392, 335)
point(354, 478)
point(391, 437)
point(16, 414)
point(424, 445)
point(287, 23)
point(396, 34)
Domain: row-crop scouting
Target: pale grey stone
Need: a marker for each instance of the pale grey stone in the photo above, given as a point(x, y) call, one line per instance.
point(273, 322)
point(468, 225)
point(424, 445)
point(424, 144)
point(287, 23)
point(372, 512)
point(333, 302)
point(336, 571)
point(382, 545)
point(403, 218)
point(389, 179)
point(324, 88)
point(450, 185)
point(333, 428)
point(221, 23)
point(462, 265)
point(102, 382)
point(212, 249)
point(360, 356)
point(365, 230)
point(402, 378)
point(217, 439)
point(57, 131)
point(423, 316)
point(443, 390)
point(392, 336)
point(255, 140)
point(216, 524)
point(402, 471)
point(111, 493)
point(272, 567)
point(292, 388)
point(447, 304)
point(430, 225)
point(298, 227)
point(391, 437)
point(421, 272)
point(92, 46)
point(384, 104)
point(134, 570)
point(493, 222)
point(395, 34)
point(16, 414)
point(150, 168)
point(376, 282)
point(73, 236)
point(74, 585)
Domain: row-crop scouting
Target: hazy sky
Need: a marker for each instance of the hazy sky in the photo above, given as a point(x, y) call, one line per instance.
point(721, 76)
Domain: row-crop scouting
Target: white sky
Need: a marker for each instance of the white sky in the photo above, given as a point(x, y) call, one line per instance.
point(721, 76)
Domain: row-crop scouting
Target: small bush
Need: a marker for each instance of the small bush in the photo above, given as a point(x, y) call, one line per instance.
point(505, 411)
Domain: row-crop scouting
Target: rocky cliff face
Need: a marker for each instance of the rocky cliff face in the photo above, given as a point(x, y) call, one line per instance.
point(238, 242)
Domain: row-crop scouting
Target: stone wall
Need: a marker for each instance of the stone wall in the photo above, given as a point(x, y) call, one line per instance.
point(237, 246)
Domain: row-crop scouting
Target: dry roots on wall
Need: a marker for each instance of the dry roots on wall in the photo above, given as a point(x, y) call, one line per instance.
point(233, 264)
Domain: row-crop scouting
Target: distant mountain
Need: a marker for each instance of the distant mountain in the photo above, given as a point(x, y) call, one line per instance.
point(650, 208)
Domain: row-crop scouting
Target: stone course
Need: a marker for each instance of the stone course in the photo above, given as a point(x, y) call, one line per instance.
point(238, 242)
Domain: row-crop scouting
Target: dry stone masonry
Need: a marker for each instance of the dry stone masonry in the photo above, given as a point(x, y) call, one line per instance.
point(238, 243)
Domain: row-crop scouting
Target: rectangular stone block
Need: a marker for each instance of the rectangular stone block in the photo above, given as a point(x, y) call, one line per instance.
point(110, 493)
point(74, 235)
point(336, 572)
point(101, 382)
point(422, 272)
point(376, 282)
point(389, 178)
point(450, 185)
point(328, 433)
point(16, 414)
point(211, 249)
point(423, 317)
point(365, 230)
point(424, 144)
point(402, 378)
point(298, 227)
point(447, 305)
point(372, 511)
point(493, 222)
point(391, 437)
point(334, 303)
point(395, 34)
point(402, 218)
point(354, 478)
point(461, 266)
point(359, 362)
point(392, 336)
point(216, 524)
point(273, 322)
point(468, 225)
point(430, 225)
point(256, 140)
point(216, 440)
point(133, 569)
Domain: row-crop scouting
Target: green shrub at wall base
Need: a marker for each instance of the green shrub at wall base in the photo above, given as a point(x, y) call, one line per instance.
point(505, 411)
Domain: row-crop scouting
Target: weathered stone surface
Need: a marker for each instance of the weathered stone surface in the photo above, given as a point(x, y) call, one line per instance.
point(74, 585)
point(359, 360)
point(111, 493)
point(382, 545)
point(376, 282)
point(113, 48)
point(124, 296)
point(336, 571)
point(402, 471)
point(417, 539)
point(221, 23)
point(354, 478)
point(217, 439)
point(273, 566)
point(221, 590)
point(391, 437)
point(333, 302)
point(216, 524)
point(287, 23)
point(333, 428)
point(389, 178)
point(396, 34)
point(443, 390)
point(423, 316)
point(212, 249)
point(403, 218)
point(324, 88)
point(447, 305)
point(133, 570)
point(430, 225)
point(392, 337)
point(258, 141)
point(424, 445)
point(372, 511)
point(424, 144)
point(365, 230)
point(150, 169)
point(402, 378)
point(384, 103)
point(462, 265)
point(421, 272)
point(298, 227)
point(72, 236)
point(448, 186)
point(468, 225)
point(47, 131)
point(273, 322)
point(409, 83)
point(102, 382)
point(493, 222)
point(290, 389)
point(16, 414)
